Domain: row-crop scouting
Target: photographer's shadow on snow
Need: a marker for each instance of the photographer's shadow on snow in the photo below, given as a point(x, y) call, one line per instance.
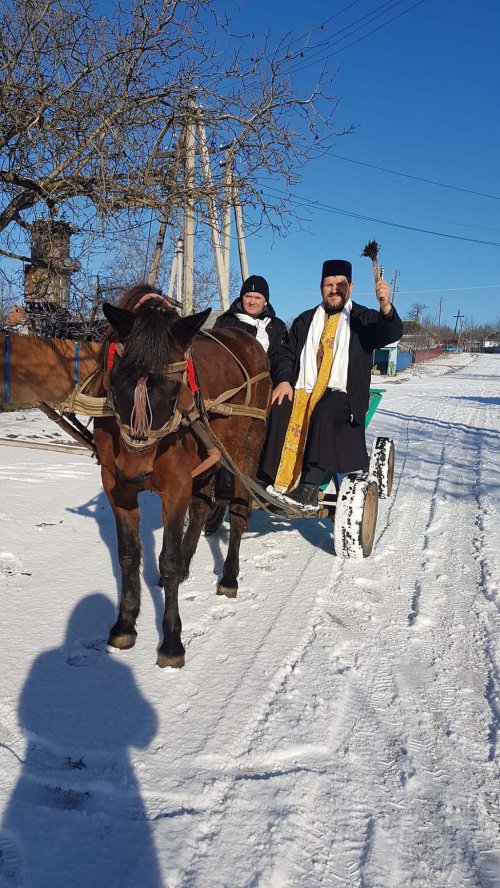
point(76, 816)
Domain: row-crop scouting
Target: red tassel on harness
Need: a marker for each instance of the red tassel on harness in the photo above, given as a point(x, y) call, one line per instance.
point(191, 378)
point(111, 355)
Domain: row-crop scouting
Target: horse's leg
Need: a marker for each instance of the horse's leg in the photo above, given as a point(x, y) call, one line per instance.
point(238, 520)
point(171, 651)
point(126, 511)
point(199, 511)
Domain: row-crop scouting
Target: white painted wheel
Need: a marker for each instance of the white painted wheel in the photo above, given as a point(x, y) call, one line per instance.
point(382, 465)
point(356, 516)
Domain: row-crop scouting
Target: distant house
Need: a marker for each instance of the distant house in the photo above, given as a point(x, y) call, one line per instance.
point(17, 321)
point(491, 344)
point(416, 337)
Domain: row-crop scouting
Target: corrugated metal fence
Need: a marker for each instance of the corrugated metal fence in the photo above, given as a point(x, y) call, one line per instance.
point(34, 369)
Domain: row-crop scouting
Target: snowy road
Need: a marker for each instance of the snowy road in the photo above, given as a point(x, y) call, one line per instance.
point(335, 725)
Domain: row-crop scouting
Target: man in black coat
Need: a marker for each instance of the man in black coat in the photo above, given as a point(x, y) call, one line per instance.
point(253, 313)
point(321, 375)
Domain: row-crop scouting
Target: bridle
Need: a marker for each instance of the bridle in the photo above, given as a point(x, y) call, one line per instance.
point(137, 434)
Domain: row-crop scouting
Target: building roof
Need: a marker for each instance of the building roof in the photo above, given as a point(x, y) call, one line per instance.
point(16, 316)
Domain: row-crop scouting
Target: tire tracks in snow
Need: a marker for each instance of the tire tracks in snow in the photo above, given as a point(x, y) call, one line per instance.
point(425, 798)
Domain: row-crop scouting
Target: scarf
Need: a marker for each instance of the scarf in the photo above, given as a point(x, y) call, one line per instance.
point(308, 360)
point(260, 324)
point(323, 364)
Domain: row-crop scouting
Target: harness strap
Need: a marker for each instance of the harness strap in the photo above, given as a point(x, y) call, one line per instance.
point(238, 410)
point(212, 405)
point(176, 367)
point(242, 366)
point(212, 458)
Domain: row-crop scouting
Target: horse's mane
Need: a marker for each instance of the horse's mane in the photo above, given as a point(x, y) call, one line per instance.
point(148, 349)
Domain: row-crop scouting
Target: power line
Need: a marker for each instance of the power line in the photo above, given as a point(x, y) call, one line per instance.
point(374, 13)
point(321, 26)
point(409, 176)
point(449, 289)
point(306, 202)
point(303, 66)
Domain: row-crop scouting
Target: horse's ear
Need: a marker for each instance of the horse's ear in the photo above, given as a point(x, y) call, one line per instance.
point(120, 319)
point(186, 329)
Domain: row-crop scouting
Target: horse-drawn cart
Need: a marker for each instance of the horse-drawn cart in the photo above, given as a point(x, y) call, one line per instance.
point(170, 403)
point(352, 503)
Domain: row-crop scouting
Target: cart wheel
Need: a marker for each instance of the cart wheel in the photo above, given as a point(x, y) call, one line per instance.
point(215, 518)
point(382, 465)
point(355, 516)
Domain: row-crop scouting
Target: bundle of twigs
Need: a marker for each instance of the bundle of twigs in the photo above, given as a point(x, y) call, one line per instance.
point(371, 251)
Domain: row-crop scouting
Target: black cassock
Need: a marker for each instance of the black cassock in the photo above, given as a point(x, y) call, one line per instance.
point(336, 436)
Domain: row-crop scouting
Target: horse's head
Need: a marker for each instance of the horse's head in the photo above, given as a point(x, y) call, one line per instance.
point(147, 381)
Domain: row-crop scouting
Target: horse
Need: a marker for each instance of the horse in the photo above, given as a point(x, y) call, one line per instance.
point(165, 379)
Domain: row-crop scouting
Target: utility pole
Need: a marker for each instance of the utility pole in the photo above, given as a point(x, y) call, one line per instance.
point(394, 288)
point(440, 308)
point(212, 213)
point(238, 214)
point(226, 222)
point(152, 276)
point(459, 317)
point(188, 238)
point(220, 228)
point(176, 274)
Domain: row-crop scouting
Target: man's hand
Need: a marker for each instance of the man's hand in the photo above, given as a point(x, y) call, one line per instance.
point(283, 390)
point(383, 294)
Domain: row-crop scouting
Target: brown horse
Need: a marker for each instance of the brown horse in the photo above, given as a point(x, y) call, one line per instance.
point(158, 360)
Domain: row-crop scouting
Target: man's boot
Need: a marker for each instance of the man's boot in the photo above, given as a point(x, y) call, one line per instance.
point(304, 495)
point(223, 485)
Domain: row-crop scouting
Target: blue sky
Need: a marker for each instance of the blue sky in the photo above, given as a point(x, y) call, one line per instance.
point(421, 91)
point(419, 84)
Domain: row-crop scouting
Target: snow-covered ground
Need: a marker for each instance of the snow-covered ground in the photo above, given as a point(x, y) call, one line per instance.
point(335, 725)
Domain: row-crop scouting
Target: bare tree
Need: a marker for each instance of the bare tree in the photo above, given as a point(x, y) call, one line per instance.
point(416, 311)
point(92, 109)
point(7, 302)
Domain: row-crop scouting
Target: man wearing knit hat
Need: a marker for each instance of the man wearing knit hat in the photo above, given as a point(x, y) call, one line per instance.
point(253, 313)
point(321, 375)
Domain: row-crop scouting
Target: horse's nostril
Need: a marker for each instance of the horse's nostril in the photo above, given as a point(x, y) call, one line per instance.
point(136, 479)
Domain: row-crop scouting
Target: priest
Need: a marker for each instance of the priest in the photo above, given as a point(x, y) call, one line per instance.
point(321, 376)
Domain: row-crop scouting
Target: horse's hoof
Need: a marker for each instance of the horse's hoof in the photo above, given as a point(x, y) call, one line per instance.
point(228, 591)
point(176, 662)
point(123, 642)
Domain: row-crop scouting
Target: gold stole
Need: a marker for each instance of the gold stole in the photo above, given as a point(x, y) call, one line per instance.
point(304, 403)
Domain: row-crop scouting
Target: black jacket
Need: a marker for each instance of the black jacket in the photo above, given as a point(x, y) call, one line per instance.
point(276, 329)
point(370, 329)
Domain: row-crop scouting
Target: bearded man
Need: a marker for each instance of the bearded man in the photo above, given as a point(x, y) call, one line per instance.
point(321, 374)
